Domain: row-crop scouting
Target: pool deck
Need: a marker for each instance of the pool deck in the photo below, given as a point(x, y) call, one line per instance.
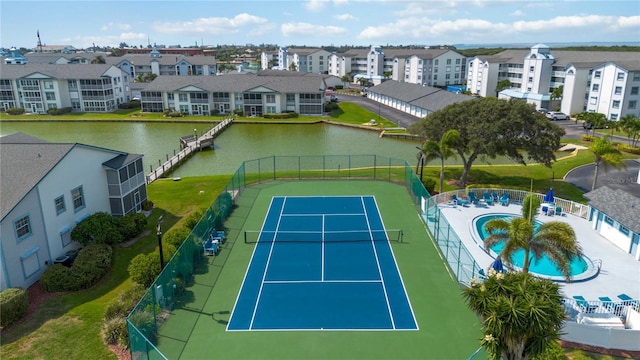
point(620, 272)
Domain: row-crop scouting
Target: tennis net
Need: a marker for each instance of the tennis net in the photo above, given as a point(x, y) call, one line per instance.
point(255, 236)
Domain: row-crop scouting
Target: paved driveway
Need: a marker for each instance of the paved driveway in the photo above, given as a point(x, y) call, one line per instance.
point(624, 179)
point(401, 118)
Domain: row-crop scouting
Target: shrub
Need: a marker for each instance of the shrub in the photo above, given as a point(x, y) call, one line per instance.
point(92, 263)
point(125, 302)
point(192, 220)
point(429, 184)
point(15, 111)
point(238, 112)
point(114, 331)
point(144, 268)
point(173, 114)
point(147, 205)
point(629, 149)
point(14, 303)
point(588, 138)
point(60, 111)
point(176, 236)
point(339, 87)
point(329, 107)
point(133, 104)
point(282, 115)
point(57, 278)
point(145, 322)
point(99, 228)
point(132, 225)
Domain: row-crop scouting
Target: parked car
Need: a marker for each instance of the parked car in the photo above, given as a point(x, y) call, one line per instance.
point(557, 115)
point(543, 110)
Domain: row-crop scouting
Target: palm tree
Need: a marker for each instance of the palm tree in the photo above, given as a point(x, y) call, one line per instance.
point(604, 153)
point(521, 315)
point(98, 60)
point(442, 150)
point(555, 239)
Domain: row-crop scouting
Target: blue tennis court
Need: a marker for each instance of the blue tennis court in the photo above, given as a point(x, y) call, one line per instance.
point(322, 263)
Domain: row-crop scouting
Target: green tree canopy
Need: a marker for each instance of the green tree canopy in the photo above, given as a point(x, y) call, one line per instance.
point(605, 154)
point(442, 150)
point(521, 315)
point(492, 127)
point(630, 124)
point(502, 84)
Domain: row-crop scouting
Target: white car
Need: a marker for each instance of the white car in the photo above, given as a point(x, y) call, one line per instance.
point(557, 115)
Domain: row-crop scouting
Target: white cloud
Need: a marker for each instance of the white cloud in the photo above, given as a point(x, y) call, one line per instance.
point(517, 13)
point(112, 25)
point(211, 25)
point(306, 29)
point(340, 2)
point(315, 5)
point(345, 17)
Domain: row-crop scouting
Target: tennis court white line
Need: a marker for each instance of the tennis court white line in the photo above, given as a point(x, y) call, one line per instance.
point(319, 214)
point(266, 267)
point(322, 251)
point(375, 252)
point(319, 281)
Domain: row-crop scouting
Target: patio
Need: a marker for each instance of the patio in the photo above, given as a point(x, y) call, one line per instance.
point(619, 273)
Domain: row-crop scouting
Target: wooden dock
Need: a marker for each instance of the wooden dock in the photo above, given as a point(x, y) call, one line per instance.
point(188, 145)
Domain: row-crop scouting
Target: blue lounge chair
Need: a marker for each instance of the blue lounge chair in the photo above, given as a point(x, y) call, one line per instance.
point(584, 304)
point(504, 200)
point(212, 246)
point(458, 201)
point(495, 196)
point(629, 301)
point(487, 198)
point(472, 197)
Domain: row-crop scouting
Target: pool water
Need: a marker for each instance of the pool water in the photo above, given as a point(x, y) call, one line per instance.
point(544, 266)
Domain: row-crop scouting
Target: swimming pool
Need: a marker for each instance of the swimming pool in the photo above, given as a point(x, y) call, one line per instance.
point(544, 267)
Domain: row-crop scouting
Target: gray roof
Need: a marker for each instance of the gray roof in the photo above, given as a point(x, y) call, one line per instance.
point(56, 71)
point(618, 205)
point(239, 83)
point(19, 149)
point(425, 97)
point(165, 59)
point(583, 59)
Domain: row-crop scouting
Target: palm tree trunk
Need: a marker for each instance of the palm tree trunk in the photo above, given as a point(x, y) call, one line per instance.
point(441, 174)
point(595, 176)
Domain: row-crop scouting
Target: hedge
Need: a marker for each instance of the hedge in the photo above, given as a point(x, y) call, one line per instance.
point(14, 303)
point(629, 149)
point(60, 111)
point(284, 115)
point(133, 104)
point(92, 263)
point(15, 111)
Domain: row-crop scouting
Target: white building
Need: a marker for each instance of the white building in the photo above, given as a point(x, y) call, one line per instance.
point(313, 60)
point(615, 214)
point(81, 87)
point(600, 81)
point(430, 67)
point(62, 185)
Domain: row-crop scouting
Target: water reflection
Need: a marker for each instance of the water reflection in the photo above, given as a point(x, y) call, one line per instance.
point(238, 143)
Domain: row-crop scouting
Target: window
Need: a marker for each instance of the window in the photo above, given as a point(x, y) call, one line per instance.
point(78, 199)
point(636, 76)
point(448, 61)
point(608, 220)
point(595, 87)
point(634, 90)
point(48, 84)
point(616, 104)
point(532, 69)
point(597, 75)
point(457, 61)
point(435, 62)
point(23, 228)
point(633, 104)
point(593, 100)
point(271, 109)
point(618, 90)
point(169, 96)
point(620, 76)
point(271, 99)
point(183, 98)
point(65, 236)
point(50, 96)
point(624, 230)
point(60, 207)
point(614, 117)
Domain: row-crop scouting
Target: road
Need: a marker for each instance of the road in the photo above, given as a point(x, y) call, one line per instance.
point(401, 118)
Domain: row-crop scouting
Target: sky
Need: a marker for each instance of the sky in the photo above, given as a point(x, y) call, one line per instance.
point(82, 23)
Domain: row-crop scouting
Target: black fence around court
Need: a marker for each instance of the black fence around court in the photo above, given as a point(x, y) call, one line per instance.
point(164, 295)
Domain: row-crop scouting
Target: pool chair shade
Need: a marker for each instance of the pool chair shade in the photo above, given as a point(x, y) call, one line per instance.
point(584, 304)
point(624, 297)
point(548, 197)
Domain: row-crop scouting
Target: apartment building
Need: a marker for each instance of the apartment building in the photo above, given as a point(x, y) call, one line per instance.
point(62, 185)
point(81, 87)
point(254, 94)
point(164, 64)
point(269, 60)
point(312, 60)
point(601, 81)
point(429, 67)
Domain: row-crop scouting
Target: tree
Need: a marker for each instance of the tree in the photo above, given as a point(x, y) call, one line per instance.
point(442, 150)
point(630, 124)
point(491, 127)
point(502, 84)
point(521, 315)
point(98, 60)
point(556, 95)
point(555, 239)
point(387, 74)
point(293, 66)
point(346, 79)
point(592, 121)
point(362, 81)
point(605, 154)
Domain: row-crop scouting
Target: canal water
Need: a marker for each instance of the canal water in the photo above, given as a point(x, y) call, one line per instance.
point(236, 144)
